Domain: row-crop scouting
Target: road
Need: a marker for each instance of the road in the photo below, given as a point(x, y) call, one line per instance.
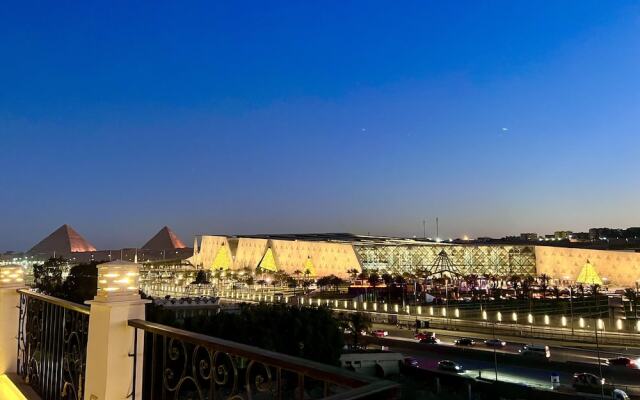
point(560, 351)
point(512, 369)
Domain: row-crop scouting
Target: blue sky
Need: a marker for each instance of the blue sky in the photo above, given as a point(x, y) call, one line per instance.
point(255, 117)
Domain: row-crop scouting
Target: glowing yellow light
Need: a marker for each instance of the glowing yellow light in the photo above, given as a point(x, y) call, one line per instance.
point(484, 315)
point(499, 316)
point(419, 310)
point(364, 305)
point(514, 317)
point(9, 391)
point(530, 319)
point(431, 310)
point(581, 322)
point(600, 324)
point(457, 313)
point(375, 306)
point(563, 320)
point(619, 324)
point(546, 320)
point(395, 308)
point(385, 307)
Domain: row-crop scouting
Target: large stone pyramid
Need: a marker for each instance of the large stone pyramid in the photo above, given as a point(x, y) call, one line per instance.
point(64, 240)
point(164, 240)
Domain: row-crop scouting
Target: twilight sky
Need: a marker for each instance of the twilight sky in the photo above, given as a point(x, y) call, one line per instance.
point(330, 116)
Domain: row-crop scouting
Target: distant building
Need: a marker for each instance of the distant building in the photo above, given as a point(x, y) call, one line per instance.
point(562, 235)
point(529, 237)
point(579, 237)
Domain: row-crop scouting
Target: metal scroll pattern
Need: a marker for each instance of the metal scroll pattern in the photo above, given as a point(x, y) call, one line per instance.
point(181, 370)
point(52, 347)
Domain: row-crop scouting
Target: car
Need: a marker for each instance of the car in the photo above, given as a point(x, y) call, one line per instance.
point(622, 362)
point(589, 383)
point(430, 340)
point(411, 362)
point(533, 350)
point(495, 343)
point(465, 341)
point(379, 333)
point(424, 335)
point(450, 366)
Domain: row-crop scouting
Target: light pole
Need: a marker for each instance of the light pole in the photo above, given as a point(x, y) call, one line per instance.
point(495, 355)
point(571, 306)
point(599, 363)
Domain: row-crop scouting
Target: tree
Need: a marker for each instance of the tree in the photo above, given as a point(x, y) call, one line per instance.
point(336, 282)
point(81, 284)
point(48, 276)
point(353, 273)
point(388, 280)
point(544, 284)
point(357, 323)
point(374, 279)
point(201, 278)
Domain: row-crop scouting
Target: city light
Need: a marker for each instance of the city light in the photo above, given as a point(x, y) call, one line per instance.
point(484, 315)
point(546, 320)
point(514, 317)
point(499, 316)
point(581, 322)
point(563, 321)
point(530, 318)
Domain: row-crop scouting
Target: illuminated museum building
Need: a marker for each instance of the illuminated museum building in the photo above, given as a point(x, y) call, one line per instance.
point(325, 254)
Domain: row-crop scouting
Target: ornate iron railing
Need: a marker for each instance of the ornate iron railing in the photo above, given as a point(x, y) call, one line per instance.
point(184, 365)
point(52, 345)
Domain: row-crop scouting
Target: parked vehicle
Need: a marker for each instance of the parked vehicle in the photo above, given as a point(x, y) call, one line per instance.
point(430, 340)
point(465, 342)
point(450, 366)
point(533, 350)
point(495, 343)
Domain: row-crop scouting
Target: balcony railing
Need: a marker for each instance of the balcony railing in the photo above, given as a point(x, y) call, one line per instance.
point(184, 365)
point(52, 345)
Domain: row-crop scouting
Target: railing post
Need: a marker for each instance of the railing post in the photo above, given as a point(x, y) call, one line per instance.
point(11, 279)
point(110, 348)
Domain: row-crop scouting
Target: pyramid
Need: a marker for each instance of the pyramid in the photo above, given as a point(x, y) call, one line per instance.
point(64, 240)
point(163, 240)
point(588, 275)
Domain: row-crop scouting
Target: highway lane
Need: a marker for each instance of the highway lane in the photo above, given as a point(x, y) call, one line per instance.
point(509, 369)
point(571, 352)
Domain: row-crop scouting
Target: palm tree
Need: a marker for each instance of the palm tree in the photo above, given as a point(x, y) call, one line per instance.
point(374, 279)
point(544, 284)
point(353, 273)
point(387, 279)
point(297, 273)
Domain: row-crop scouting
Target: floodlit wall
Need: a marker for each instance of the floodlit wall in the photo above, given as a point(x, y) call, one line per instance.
point(326, 258)
point(619, 268)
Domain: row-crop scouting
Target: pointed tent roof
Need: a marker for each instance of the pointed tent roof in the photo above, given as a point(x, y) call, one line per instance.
point(63, 240)
point(164, 239)
point(588, 275)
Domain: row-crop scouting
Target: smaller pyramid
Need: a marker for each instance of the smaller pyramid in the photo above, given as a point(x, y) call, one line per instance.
point(588, 275)
point(163, 240)
point(64, 240)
